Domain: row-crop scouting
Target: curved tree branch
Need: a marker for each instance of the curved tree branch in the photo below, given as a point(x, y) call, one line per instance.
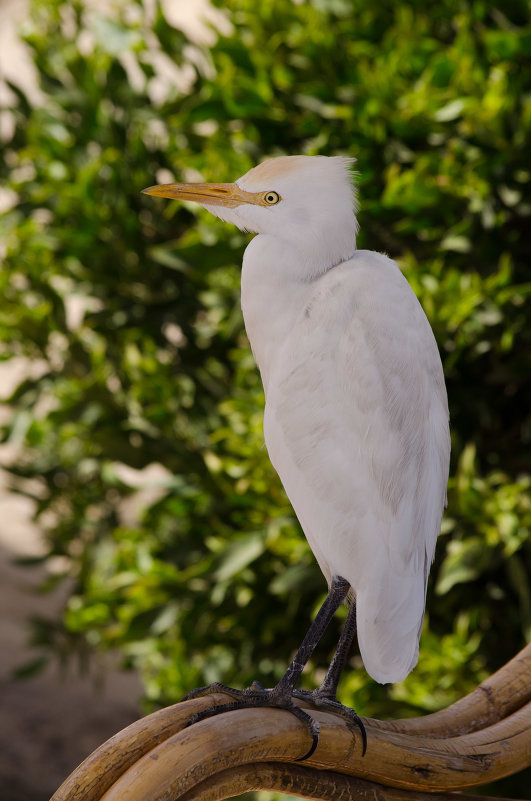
point(481, 738)
point(321, 785)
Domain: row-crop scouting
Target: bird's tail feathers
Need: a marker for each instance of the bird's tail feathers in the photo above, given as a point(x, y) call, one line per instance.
point(389, 621)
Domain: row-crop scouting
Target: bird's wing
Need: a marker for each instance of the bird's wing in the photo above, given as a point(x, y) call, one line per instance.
point(360, 404)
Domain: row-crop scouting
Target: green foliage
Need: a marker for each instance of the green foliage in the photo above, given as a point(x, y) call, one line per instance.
point(131, 307)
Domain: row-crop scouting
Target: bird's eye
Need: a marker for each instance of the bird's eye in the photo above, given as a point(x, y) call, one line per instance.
point(270, 198)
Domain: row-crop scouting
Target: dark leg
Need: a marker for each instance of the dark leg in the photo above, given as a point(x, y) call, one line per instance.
point(324, 697)
point(328, 688)
point(336, 596)
point(281, 694)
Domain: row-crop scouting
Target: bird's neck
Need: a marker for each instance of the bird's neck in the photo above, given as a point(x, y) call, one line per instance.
point(274, 292)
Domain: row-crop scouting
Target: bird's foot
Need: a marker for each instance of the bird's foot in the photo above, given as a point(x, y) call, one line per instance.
point(325, 702)
point(254, 696)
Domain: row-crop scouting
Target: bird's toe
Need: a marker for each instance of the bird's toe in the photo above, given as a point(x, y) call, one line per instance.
point(322, 701)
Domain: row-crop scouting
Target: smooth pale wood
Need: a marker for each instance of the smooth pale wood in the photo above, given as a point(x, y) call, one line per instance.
point(411, 742)
point(320, 785)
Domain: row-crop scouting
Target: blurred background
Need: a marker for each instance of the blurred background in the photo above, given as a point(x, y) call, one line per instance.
point(147, 545)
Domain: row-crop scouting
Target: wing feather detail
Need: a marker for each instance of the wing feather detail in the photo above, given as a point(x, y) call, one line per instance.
point(357, 427)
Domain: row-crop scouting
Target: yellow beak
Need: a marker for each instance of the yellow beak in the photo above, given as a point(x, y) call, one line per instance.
point(229, 195)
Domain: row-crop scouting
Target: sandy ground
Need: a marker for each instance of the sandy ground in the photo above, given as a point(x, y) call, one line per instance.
point(52, 721)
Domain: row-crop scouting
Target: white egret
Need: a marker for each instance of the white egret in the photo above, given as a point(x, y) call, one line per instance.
point(356, 414)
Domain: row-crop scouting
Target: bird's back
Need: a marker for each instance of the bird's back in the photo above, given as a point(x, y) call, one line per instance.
point(356, 425)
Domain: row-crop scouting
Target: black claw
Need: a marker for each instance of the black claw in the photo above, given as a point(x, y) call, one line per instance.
point(315, 742)
point(353, 718)
point(314, 727)
point(322, 701)
point(361, 727)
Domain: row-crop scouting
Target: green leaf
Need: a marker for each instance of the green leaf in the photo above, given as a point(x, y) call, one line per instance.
point(240, 554)
point(464, 561)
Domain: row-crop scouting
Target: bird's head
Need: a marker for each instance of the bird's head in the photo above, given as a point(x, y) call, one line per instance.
point(307, 201)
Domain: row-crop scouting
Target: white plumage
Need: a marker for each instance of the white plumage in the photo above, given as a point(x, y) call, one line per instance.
point(356, 415)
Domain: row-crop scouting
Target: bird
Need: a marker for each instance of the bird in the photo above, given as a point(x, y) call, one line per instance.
point(356, 419)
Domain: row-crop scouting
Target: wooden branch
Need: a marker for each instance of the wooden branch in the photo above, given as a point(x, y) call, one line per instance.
point(321, 785)
point(481, 738)
point(498, 696)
